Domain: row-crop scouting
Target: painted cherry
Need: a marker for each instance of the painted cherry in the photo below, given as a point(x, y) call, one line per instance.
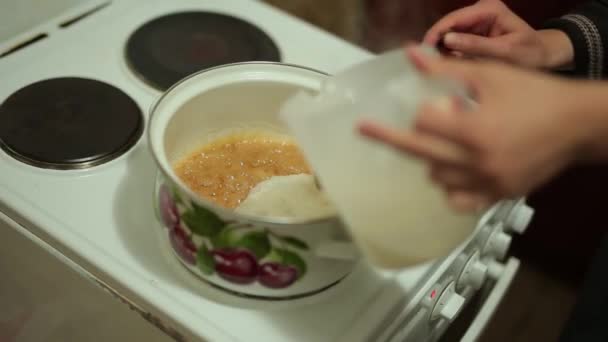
point(168, 209)
point(183, 246)
point(179, 231)
point(276, 276)
point(235, 265)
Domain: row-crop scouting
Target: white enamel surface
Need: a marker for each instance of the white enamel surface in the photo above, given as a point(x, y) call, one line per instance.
point(321, 272)
point(18, 16)
point(486, 313)
point(224, 100)
point(218, 101)
point(44, 299)
point(102, 218)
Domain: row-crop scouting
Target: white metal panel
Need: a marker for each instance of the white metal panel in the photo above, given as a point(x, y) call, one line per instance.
point(492, 301)
point(103, 218)
point(18, 16)
point(42, 299)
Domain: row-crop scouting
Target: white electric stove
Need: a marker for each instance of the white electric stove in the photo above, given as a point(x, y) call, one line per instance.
point(98, 220)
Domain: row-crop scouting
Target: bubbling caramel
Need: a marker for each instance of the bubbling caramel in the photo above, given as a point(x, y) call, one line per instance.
point(227, 168)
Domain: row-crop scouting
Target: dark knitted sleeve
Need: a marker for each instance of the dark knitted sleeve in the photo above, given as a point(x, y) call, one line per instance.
point(587, 27)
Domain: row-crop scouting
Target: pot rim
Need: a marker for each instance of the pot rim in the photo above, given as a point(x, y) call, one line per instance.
point(255, 219)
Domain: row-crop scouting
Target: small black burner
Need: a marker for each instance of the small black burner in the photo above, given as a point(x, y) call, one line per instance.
point(69, 123)
point(169, 48)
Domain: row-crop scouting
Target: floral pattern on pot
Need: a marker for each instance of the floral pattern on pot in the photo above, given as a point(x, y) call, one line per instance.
point(238, 253)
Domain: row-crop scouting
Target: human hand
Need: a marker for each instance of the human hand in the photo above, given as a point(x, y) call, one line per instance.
point(489, 29)
point(522, 131)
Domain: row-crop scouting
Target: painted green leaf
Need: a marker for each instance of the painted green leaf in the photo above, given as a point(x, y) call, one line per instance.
point(256, 242)
point(210, 215)
point(225, 238)
point(290, 258)
point(294, 242)
point(202, 221)
point(274, 256)
point(176, 197)
point(205, 261)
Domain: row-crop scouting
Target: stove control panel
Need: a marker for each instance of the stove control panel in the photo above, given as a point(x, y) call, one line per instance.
point(449, 304)
point(519, 218)
point(498, 243)
point(461, 275)
point(473, 273)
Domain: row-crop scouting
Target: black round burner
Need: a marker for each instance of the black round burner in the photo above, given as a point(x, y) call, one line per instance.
point(69, 123)
point(169, 48)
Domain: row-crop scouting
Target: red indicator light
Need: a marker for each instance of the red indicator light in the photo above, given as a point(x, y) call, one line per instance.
point(433, 293)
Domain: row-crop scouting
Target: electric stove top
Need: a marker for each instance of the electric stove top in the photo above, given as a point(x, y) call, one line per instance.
point(93, 202)
point(170, 47)
point(75, 169)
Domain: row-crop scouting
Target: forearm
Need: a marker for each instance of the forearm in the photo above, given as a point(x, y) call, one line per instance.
point(558, 50)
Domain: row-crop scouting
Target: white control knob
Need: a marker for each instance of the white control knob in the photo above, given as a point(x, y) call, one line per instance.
point(495, 269)
point(498, 244)
point(452, 307)
point(504, 208)
point(473, 273)
point(449, 304)
point(520, 218)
